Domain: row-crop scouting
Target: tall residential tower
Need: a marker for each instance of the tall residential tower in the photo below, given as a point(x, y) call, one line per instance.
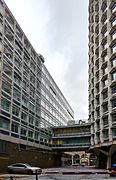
point(102, 74)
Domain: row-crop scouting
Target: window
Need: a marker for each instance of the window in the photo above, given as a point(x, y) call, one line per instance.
point(105, 94)
point(113, 62)
point(114, 76)
point(18, 47)
point(105, 107)
point(105, 83)
point(16, 111)
point(17, 63)
point(16, 94)
point(6, 86)
point(114, 117)
point(114, 103)
point(24, 116)
point(23, 131)
point(32, 78)
point(36, 135)
point(114, 131)
point(26, 58)
point(32, 91)
point(31, 119)
point(105, 134)
point(24, 101)
point(5, 104)
point(113, 89)
point(37, 109)
point(8, 52)
point(105, 121)
point(4, 123)
point(32, 66)
point(17, 79)
point(114, 49)
point(26, 86)
point(105, 70)
point(14, 127)
point(7, 69)
point(31, 106)
point(37, 121)
point(30, 134)
point(25, 71)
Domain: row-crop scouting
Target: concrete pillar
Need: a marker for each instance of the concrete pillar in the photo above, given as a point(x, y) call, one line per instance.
point(109, 161)
point(72, 159)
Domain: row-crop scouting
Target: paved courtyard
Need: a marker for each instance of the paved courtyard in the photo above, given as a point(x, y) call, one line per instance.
point(83, 173)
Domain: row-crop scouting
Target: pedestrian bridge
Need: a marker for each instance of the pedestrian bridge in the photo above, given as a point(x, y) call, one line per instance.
point(72, 137)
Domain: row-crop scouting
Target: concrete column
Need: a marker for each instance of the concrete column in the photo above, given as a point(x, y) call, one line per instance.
point(109, 161)
point(72, 159)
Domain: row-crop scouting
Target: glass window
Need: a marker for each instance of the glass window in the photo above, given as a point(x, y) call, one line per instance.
point(8, 52)
point(114, 117)
point(24, 116)
point(24, 101)
point(105, 134)
point(105, 83)
point(113, 62)
point(105, 120)
point(32, 78)
point(7, 69)
point(114, 103)
point(23, 131)
point(16, 111)
point(114, 76)
point(25, 71)
point(17, 79)
point(114, 131)
point(37, 109)
point(36, 135)
point(37, 121)
point(31, 119)
point(32, 66)
point(5, 104)
point(113, 89)
point(31, 106)
point(6, 86)
point(114, 48)
point(14, 127)
point(30, 134)
point(105, 107)
point(16, 94)
point(17, 63)
point(105, 70)
point(105, 94)
point(32, 91)
point(4, 123)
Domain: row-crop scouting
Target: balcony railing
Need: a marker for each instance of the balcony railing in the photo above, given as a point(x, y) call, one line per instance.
point(79, 145)
point(72, 134)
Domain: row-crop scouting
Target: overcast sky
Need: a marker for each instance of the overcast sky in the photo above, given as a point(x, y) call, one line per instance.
point(58, 29)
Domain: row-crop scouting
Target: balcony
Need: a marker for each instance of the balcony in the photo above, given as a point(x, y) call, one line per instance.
point(72, 146)
point(71, 135)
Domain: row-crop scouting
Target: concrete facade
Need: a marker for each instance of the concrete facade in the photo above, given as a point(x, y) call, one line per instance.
point(30, 100)
point(102, 76)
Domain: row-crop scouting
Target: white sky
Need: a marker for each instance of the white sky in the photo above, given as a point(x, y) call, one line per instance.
point(58, 29)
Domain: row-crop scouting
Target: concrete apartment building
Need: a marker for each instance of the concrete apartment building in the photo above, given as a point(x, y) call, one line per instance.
point(102, 79)
point(30, 101)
